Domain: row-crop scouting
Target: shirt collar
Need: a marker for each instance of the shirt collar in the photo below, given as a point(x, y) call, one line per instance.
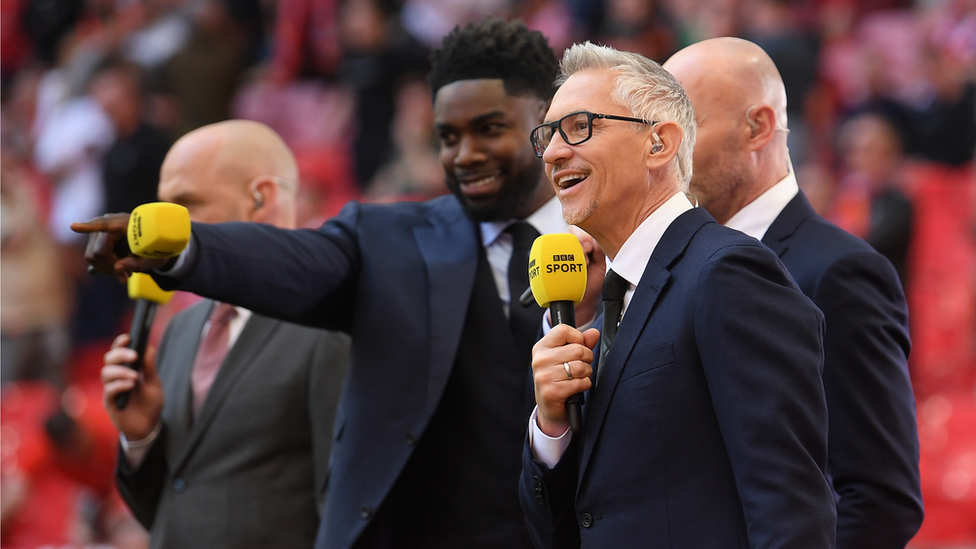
point(756, 217)
point(636, 251)
point(547, 219)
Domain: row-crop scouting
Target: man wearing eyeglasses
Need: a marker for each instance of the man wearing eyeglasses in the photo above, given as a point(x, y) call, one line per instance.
point(705, 422)
point(743, 177)
point(432, 418)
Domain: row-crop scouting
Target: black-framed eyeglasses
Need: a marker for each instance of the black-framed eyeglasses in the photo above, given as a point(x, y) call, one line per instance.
point(575, 128)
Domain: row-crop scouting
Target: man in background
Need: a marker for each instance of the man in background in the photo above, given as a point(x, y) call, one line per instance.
point(226, 436)
point(744, 178)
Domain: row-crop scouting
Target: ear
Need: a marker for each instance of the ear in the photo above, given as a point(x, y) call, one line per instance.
point(265, 195)
point(762, 124)
point(662, 144)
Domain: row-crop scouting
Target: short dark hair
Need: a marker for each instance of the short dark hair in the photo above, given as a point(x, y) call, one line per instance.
point(495, 48)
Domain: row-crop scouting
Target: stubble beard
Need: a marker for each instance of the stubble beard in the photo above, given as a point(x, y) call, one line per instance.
point(514, 197)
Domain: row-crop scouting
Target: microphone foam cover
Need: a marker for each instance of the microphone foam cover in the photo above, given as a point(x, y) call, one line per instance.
point(557, 269)
point(142, 286)
point(159, 229)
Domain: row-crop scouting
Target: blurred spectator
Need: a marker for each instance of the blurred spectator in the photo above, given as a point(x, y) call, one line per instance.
point(945, 125)
point(306, 40)
point(34, 288)
point(871, 201)
point(203, 76)
point(641, 26)
point(415, 172)
point(378, 55)
point(430, 20)
point(550, 17)
point(165, 29)
point(71, 142)
point(774, 25)
point(131, 165)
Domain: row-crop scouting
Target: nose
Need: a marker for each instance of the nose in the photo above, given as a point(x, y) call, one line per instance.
point(469, 152)
point(557, 150)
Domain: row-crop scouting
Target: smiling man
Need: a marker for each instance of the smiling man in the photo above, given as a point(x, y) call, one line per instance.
point(705, 422)
point(432, 418)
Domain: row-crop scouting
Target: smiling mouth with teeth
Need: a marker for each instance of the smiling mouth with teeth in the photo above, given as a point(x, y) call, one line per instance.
point(480, 182)
point(568, 181)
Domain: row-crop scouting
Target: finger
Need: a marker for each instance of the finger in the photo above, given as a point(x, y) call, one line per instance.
point(120, 356)
point(560, 335)
point(115, 372)
point(99, 252)
point(577, 370)
point(91, 226)
point(114, 388)
point(120, 340)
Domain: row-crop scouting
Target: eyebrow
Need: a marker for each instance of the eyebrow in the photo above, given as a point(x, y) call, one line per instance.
point(480, 119)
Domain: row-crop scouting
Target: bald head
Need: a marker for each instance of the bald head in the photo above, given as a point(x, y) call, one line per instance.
point(236, 170)
point(740, 106)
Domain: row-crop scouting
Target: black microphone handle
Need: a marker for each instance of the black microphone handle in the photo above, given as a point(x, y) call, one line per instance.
point(142, 320)
point(564, 312)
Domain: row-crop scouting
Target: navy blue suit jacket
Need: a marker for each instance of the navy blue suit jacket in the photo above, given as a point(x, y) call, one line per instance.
point(708, 425)
point(873, 438)
point(398, 277)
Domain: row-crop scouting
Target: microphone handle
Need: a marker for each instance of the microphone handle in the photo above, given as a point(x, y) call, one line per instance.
point(564, 312)
point(142, 320)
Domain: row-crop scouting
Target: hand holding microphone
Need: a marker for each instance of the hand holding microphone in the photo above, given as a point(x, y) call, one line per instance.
point(147, 295)
point(561, 360)
point(121, 244)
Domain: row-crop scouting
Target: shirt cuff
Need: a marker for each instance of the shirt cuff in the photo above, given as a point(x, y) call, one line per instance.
point(545, 448)
point(135, 450)
point(182, 265)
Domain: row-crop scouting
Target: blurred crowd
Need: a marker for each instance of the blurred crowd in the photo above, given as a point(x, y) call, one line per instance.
point(882, 119)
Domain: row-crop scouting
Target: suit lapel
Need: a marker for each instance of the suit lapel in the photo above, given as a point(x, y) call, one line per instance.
point(251, 340)
point(638, 313)
point(449, 246)
point(176, 384)
point(778, 235)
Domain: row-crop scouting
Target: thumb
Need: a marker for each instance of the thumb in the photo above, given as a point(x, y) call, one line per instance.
point(591, 337)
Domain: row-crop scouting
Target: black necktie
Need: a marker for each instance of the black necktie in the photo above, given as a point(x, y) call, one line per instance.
point(614, 288)
point(524, 321)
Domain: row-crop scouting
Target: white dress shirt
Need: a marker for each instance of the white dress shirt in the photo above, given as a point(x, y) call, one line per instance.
point(498, 244)
point(629, 263)
point(755, 218)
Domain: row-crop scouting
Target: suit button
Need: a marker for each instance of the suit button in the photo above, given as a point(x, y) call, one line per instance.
point(365, 511)
point(411, 439)
point(179, 485)
point(586, 520)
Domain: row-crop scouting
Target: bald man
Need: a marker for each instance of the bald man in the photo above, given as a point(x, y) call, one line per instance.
point(237, 456)
point(743, 177)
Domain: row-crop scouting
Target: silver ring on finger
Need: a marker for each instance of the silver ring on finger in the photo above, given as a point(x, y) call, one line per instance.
point(569, 372)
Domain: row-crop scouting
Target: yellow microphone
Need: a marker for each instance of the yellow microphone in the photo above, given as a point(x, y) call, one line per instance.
point(158, 230)
point(557, 278)
point(147, 295)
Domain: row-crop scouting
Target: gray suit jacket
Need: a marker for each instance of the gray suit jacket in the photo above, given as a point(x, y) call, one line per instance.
point(249, 471)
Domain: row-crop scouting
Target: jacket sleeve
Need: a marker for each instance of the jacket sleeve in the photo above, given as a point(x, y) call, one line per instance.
point(548, 498)
point(873, 442)
point(142, 487)
point(760, 340)
point(306, 276)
